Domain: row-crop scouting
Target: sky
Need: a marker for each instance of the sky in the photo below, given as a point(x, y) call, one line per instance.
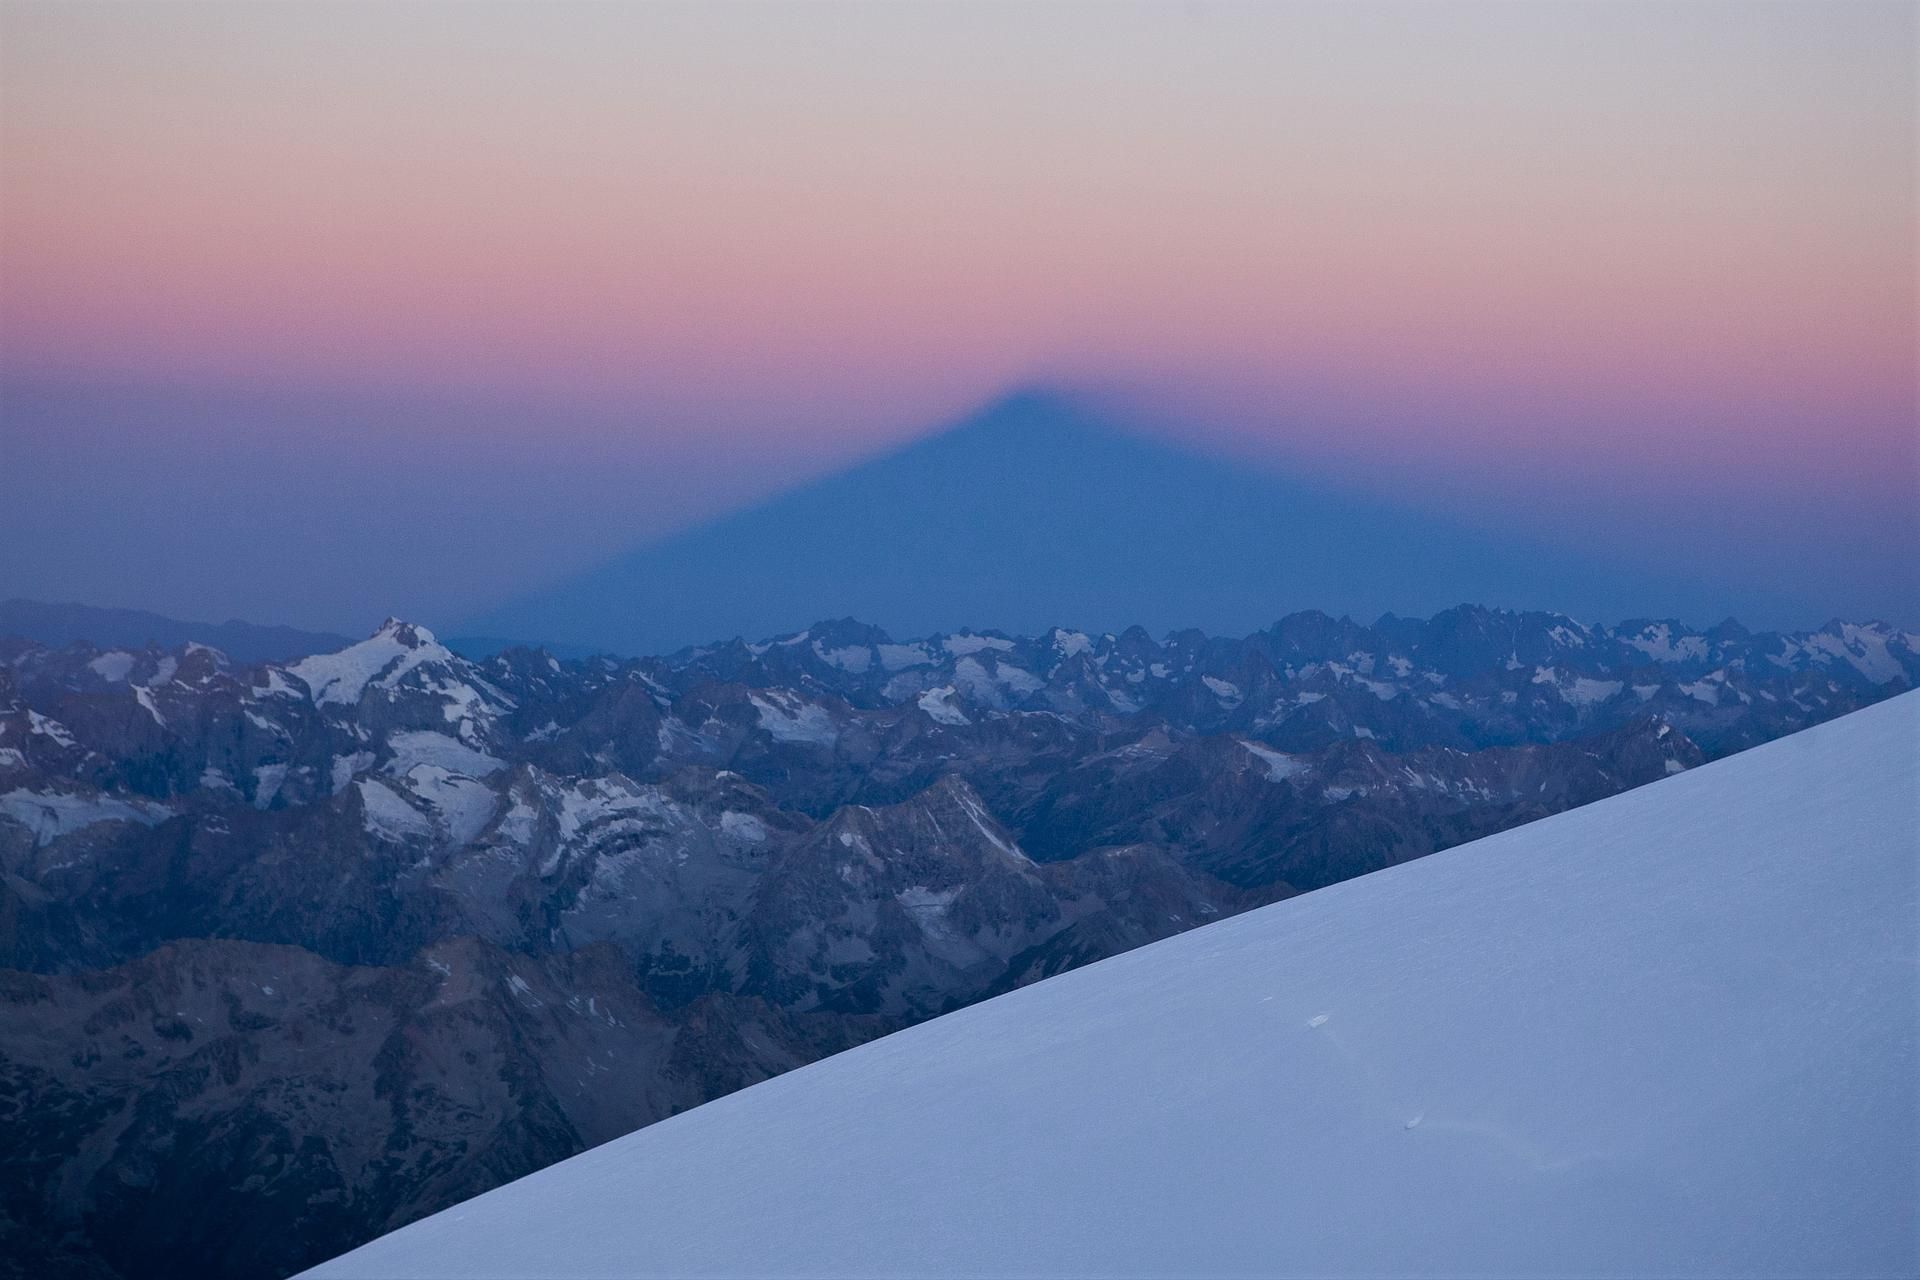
point(316, 313)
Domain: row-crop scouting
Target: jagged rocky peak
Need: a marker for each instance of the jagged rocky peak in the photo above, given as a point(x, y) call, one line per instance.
point(840, 633)
point(411, 635)
point(200, 663)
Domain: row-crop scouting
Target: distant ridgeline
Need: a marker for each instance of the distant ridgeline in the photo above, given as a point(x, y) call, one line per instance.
point(63, 624)
point(299, 951)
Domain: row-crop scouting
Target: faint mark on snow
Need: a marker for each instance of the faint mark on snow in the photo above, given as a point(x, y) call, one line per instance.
point(1515, 1145)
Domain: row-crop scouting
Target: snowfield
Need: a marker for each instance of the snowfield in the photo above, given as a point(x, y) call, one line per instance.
point(1670, 1033)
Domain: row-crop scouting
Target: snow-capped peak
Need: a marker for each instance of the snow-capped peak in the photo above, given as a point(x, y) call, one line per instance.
point(383, 658)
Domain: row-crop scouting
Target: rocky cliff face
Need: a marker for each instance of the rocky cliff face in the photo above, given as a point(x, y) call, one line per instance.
point(299, 952)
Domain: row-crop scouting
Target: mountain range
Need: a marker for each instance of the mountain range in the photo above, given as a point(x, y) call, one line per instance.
point(297, 952)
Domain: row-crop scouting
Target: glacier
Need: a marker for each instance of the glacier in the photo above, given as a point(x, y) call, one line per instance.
point(1672, 1032)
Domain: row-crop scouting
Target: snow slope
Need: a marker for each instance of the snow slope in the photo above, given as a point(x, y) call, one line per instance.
point(1670, 1033)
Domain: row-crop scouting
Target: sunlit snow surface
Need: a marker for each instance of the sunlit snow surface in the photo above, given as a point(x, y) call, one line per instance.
point(1672, 1033)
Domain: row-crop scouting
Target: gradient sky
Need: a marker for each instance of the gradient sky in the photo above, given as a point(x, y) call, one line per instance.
point(317, 313)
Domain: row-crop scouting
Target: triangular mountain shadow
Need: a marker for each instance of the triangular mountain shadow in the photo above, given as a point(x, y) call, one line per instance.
point(1036, 511)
